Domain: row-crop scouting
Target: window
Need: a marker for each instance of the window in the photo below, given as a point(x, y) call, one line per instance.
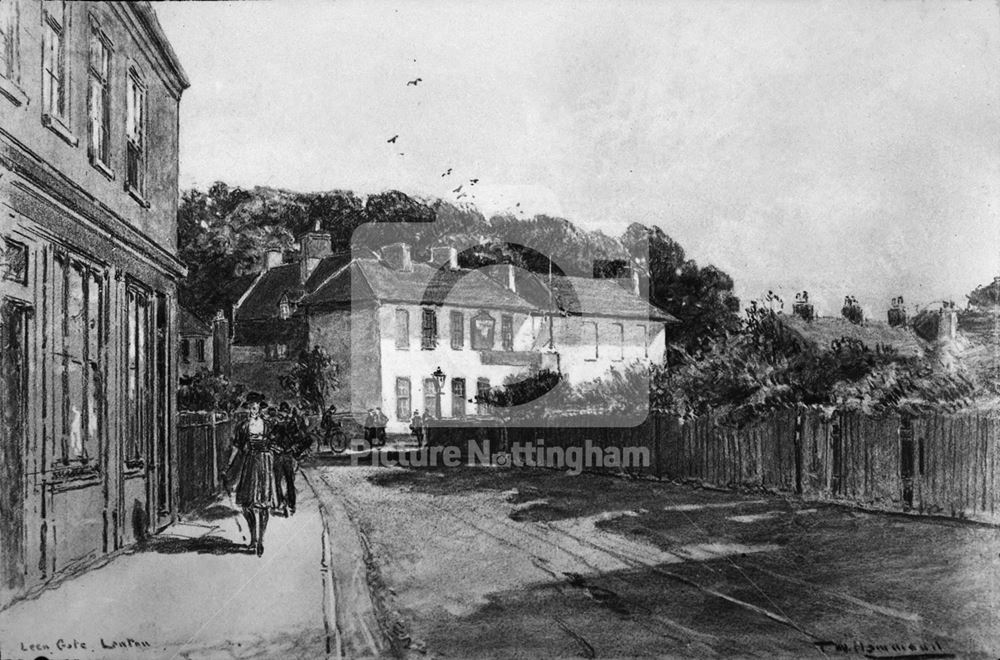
point(9, 37)
point(482, 391)
point(589, 341)
point(284, 308)
point(643, 339)
point(402, 329)
point(199, 350)
point(403, 398)
point(482, 332)
point(54, 87)
point(139, 378)
point(185, 350)
point(15, 261)
point(429, 330)
point(507, 332)
point(77, 346)
point(431, 398)
point(135, 149)
point(618, 341)
point(99, 98)
point(457, 330)
point(458, 397)
point(277, 351)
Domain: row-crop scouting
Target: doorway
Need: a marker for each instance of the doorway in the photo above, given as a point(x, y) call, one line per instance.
point(14, 319)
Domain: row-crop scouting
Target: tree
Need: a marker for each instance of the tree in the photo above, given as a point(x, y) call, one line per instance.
point(312, 378)
point(205, 391)
point(701, 299)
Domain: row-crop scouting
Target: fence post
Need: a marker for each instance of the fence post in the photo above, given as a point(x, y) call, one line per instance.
point(214, 484)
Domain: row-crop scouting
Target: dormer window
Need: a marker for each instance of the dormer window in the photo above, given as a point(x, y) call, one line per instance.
point(284, 307)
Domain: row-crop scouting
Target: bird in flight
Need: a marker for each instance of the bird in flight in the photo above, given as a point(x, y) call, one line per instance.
point(392, 140)
point(402, 153)
point(473, 181)
point(459, 189)
point(460, 196)
point(447, 173)
point(415, 82)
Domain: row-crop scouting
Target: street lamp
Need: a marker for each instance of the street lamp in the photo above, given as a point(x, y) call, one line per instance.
point(439, 377)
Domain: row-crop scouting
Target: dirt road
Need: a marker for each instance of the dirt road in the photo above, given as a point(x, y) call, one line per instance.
point(487, 562)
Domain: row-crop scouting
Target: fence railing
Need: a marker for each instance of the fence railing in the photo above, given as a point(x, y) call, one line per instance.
point(204, 442)
point(938, 464)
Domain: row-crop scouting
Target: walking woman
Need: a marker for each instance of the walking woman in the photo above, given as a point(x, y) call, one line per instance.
point(255, 491)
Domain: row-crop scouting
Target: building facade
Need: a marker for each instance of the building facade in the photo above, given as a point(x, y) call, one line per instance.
point(89, 109)
point(391, 324)
point(197, 345)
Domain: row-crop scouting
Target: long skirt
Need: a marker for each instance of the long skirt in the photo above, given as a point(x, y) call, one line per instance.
point(256, 487)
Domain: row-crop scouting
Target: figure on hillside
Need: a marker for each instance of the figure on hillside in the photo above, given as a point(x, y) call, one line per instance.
point(254, 479)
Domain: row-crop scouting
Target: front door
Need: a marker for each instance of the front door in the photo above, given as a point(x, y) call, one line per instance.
point(13, 405)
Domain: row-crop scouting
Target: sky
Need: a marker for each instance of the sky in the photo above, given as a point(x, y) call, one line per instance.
point(848, 147)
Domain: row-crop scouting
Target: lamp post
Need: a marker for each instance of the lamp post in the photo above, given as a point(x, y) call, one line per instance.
point(439, 377)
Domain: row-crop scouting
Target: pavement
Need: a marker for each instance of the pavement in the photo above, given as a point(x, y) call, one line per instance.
point(195, 591)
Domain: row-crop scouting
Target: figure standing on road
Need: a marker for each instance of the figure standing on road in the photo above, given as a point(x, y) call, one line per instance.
point(255, 485)
point(370, 427)
point(380, 421)
point(417, 428)
point(285, 445)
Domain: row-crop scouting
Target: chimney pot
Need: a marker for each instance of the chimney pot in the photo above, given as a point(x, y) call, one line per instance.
point(313, 247)
point(397, 257)
point(273, 257)
point(444, 256)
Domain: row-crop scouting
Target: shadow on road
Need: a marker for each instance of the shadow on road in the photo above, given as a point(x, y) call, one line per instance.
point(206, 545)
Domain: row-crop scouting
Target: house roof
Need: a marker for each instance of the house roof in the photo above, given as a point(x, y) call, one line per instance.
point(189, 324)
point(234, 290)
point(262, 299)
point(582, 295)
point(603, 297)
point(822, 331)
point(371, 279)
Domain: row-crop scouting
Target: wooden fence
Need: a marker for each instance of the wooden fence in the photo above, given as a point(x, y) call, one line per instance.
point(939, 464)
point(204, 441)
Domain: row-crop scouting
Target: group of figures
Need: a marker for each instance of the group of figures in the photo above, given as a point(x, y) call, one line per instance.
point(266, 451)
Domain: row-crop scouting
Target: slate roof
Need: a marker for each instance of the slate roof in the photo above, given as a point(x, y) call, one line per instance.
point(262, 301)
point(821, 332)
point(582, 295)
point(372, 280)
point(189, 324)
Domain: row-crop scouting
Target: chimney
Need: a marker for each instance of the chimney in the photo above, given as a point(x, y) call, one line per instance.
point(313, 246)
point(510, 280)
point(397, 257)
point(897, 313)
point(632, 281)
point(948, 323)
point(273, 257)
point(444, 256)
point(220, 345)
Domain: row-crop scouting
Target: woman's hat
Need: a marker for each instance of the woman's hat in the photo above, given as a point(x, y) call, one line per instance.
point(255, 397)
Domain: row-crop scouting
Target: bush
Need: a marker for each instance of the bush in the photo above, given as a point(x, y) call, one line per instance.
point(206, 391)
